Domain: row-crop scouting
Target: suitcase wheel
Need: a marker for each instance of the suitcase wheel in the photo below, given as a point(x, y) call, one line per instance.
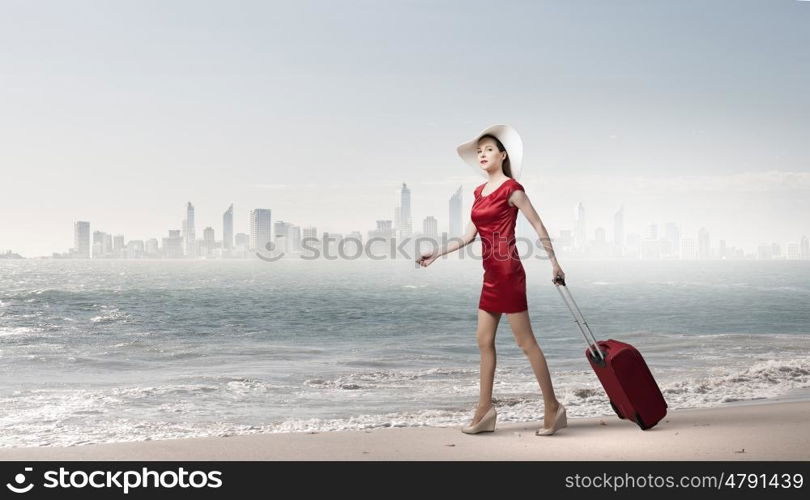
point(616, 410)
point(640, 422)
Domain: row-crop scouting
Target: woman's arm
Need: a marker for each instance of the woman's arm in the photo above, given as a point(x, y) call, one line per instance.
point(428, 257)
point(521, 200)
point(454, 245)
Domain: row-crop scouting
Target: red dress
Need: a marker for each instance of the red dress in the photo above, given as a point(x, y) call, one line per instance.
point(504, 288)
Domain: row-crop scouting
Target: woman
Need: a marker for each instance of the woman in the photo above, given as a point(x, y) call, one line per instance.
point(494, 214)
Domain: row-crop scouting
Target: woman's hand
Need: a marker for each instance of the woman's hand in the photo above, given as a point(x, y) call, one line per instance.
point(558, 275)
point(427, 258)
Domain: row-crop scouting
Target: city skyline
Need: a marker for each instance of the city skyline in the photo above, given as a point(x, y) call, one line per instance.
point(584, 239)
point(691, 113)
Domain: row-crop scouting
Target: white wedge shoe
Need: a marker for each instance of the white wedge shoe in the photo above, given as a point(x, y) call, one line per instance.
point(560, 421)
point(486, 424)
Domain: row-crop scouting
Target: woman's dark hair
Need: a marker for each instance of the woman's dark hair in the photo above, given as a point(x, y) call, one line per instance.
point(507, 166)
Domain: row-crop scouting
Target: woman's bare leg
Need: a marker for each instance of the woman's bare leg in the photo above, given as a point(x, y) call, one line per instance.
point(487, 327)
point(525, 339)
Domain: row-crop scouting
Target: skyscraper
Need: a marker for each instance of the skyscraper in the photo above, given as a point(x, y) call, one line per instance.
point(108, 244)
point(151, 247)
point(118, 245)
point(81, 239)
point(295, 237)
point(384, 230)
point(580, 236)
point(456, 218)
point(703, 243)
point(617, 250)
point(600, 244)
point(98, 244)
point(189, 234)
point(405, 217)
point(227, 228)
point(281, 231)
point(260, 228)
point(618, 227)
point(688, 248)
point(310, 234)
point(209, 241)
point(430, 227)
point(650, 245)
point(173, 245)
point(241, 242)
point(672, 237)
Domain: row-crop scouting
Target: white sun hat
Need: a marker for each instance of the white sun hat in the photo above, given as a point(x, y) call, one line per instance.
point(509, 138)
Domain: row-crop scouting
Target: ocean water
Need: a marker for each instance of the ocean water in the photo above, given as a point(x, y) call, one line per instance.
point(111, 351)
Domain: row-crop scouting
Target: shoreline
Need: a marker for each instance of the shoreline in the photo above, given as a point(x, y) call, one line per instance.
point(770, 429)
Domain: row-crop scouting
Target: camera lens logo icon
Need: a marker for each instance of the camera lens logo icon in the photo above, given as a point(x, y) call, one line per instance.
point(20, 479)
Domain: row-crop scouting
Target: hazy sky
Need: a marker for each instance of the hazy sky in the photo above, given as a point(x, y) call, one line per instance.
point(120, 112)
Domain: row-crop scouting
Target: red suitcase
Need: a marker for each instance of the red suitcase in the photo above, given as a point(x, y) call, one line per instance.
point(624, 374)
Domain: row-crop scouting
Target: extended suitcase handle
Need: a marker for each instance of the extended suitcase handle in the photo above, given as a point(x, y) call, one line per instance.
point(583, 325)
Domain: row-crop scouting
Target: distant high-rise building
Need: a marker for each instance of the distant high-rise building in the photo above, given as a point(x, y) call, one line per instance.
point(430, 227)
point(227, 228)
point(384, 230)
point(241, 241)
point(331, 244)
point(81, 239)
point(763, 251)
point(618, 227)
point(151, 247)
point(672, 239)
point(633, 245)
point(688, 248)
point(310, 234)
point(209, 236)
point(98, 244)
point(776, 249)
point(580, 236)
point(600, 245)
point(260, 228)
point(134, 249)
point(108, 244)
point(294, 232)
point(405, 217)
point(173, 245)
point(804, 248)
point(652, 232)
point(281, 228)
point(456, 217)
point(793, 250)
point(378, 238)
point(118, 244)
point(189, 232)
point(282, 236)
point(703, 244)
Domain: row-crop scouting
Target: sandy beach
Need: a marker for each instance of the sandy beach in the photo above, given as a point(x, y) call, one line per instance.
point(765, 431)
